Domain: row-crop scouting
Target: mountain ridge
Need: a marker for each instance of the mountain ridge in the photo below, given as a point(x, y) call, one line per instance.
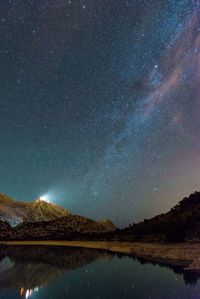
point(15, 212)
point(41, 219)
point(180, 223)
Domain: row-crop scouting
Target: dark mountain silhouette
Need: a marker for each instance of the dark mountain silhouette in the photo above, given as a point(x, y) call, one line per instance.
point(181, 223)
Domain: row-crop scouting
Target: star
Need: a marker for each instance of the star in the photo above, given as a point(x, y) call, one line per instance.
point(100, 104)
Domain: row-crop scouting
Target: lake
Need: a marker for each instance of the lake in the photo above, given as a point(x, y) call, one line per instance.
point(60, 272)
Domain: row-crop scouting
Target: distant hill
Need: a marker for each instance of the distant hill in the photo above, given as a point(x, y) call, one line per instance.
point(181, 223)
point(15, 212)
point(64, 228)
point(107, 224)
point(43, 220)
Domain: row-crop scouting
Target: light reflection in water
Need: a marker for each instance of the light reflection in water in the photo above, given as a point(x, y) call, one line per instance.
point(43, 272)
point(28, 293)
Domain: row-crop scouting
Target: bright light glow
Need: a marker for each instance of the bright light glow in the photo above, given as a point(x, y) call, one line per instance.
point(28, 293)
point(45, 198)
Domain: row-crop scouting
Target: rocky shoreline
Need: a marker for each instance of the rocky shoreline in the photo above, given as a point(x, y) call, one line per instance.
point(183, 254)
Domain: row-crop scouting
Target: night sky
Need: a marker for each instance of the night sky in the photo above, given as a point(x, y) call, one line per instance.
point(99, 103)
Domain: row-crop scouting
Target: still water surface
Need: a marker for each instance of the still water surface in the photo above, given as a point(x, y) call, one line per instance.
point(58, 273)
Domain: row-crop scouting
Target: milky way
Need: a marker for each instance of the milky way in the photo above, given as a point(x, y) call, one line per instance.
point(100, 104)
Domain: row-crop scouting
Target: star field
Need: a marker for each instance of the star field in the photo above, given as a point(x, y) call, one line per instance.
point(100, 104)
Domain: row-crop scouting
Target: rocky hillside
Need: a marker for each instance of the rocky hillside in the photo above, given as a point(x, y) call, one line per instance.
point(107, 224)
point(64, 228)
point(5, 230)
point(42, 220)
point(15, 212)
point(181, 223)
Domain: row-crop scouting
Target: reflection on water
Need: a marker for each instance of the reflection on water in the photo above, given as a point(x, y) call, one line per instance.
point(28, 268)
point(58, 272)
point(27, 293)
